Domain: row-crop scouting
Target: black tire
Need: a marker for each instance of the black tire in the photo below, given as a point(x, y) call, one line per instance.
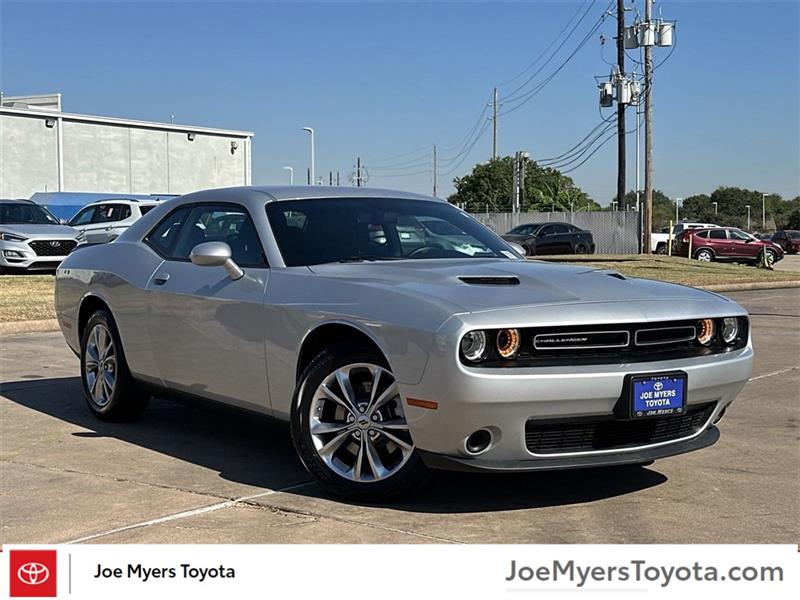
point(123, 400)
point(702, 253)
point(580, 249)
point(661, 249)
point(405, 478)
point(528, 250)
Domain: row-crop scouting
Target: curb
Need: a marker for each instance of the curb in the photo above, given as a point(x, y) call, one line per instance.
point(741, 287)
point(14, 327)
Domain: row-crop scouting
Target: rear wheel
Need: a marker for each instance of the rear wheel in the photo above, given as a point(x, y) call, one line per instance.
point(349, 426)
point(704, 255)
point(580, 249)
point(661, 249)
point(108, 387)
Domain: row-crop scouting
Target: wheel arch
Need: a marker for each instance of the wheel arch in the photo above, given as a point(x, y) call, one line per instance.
point(699, 250)
point(90, 304)
point(332, 333)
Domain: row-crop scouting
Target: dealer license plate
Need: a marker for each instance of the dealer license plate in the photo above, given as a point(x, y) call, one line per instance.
point(658, 395)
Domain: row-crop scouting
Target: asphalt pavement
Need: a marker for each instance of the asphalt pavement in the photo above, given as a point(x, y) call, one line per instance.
point(204, 474)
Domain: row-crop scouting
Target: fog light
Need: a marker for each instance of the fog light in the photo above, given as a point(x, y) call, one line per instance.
point(705, 331)
point(473, 345)
point(13, 254)
point(730, 329)
point(478, 441)
point(508, 343)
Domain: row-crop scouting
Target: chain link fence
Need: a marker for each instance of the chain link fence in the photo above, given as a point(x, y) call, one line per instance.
point(614, 232)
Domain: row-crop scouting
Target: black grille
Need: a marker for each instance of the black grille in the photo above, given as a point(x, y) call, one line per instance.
point(604, 433)
point(52, 248)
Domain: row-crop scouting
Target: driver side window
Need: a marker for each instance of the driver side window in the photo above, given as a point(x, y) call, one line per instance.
point(230, 224)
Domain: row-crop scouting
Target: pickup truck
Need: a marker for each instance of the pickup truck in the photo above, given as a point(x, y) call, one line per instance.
point(659, 241)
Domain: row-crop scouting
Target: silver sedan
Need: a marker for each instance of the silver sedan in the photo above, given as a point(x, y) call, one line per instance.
point(395, 333)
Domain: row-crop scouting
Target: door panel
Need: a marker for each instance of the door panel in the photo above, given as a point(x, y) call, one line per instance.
point(208, 334)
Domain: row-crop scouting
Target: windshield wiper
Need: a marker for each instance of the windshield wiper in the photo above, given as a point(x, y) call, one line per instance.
point(367, 258)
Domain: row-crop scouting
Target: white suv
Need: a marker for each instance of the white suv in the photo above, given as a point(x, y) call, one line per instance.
point(103, 221)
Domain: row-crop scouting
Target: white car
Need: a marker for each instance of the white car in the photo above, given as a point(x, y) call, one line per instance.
point(103, 221)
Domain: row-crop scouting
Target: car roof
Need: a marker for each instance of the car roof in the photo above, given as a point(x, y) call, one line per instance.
point(123, 201)
point(308, 192)
point(16, 201)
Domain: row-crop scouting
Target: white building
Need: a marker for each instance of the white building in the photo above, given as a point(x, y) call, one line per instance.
point(43, 149)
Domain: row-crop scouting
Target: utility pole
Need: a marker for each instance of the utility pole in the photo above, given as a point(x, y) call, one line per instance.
point(435, 175)
point(494, 125)
point(358, 172)
point(337, 178)
point(515, 185)
point(621, 106)
point(648, 132)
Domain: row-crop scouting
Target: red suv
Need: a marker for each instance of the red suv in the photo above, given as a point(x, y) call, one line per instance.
point(726, 244)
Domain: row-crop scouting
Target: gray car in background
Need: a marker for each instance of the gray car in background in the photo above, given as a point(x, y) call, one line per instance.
point(32, 239)
point(389, 347)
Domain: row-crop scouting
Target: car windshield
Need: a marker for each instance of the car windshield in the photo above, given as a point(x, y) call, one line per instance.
point(22, 213)
point(312, 232)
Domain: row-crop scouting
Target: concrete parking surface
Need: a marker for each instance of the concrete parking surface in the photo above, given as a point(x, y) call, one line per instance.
point(203, 474)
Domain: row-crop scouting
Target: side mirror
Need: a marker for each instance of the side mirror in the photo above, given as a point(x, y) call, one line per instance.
point(63, 221)
point(216, 254)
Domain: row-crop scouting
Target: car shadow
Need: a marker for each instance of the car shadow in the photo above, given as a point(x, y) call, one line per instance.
point(255, 450)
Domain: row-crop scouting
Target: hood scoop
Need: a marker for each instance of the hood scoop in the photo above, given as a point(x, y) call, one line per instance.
point(489, 280)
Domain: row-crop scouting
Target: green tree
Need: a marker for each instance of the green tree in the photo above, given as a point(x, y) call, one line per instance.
point(792, 219)
point(731, 208)
point(489, 187)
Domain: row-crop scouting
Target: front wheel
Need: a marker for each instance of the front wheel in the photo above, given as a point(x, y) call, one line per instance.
point(349, 427)
point(768, 260)
point(580, 249)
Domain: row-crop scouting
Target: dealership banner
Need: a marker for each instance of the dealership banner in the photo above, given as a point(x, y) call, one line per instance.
point(399, 572)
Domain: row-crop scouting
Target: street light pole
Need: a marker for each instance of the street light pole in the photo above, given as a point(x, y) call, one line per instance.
point(291, 174)
point(748, 217)
point(677, 201)
point(311, 131)
point(764, 212)
point(716, 206)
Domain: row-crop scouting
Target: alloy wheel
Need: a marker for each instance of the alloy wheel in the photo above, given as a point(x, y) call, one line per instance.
point(357, 424)
point(100, 365)
point(704, 256)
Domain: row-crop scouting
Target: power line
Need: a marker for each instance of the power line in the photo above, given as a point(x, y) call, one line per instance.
point(538, 58)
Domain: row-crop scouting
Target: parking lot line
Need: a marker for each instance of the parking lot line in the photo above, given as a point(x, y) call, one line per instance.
point(781, 372)
point(189, 513)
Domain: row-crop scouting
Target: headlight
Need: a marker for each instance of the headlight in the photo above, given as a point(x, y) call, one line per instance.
point(730, 329)
point(508, 342)
point(10, 237)
point(706, 331)
point(473, 345)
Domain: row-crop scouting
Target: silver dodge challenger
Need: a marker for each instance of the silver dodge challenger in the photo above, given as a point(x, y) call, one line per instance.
point(395, 334)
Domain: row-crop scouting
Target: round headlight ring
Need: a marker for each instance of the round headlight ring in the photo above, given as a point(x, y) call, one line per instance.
point(473, 345)
point(705, 331)
point(508, 343)
point(730, 330)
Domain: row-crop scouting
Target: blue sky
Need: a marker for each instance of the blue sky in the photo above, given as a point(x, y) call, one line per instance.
point(378, 79)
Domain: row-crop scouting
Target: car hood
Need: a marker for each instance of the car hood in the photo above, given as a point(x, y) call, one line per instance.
point(41, 231)
point(540, 283)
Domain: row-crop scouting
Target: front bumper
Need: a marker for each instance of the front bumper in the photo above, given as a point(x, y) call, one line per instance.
point(503, 400)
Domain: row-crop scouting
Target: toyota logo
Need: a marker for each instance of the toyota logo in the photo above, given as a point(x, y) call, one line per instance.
point(55, 244)
point(33, 573)
point(658, 386)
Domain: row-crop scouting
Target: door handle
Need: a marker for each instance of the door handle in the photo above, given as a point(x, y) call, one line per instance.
point(161, 278)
